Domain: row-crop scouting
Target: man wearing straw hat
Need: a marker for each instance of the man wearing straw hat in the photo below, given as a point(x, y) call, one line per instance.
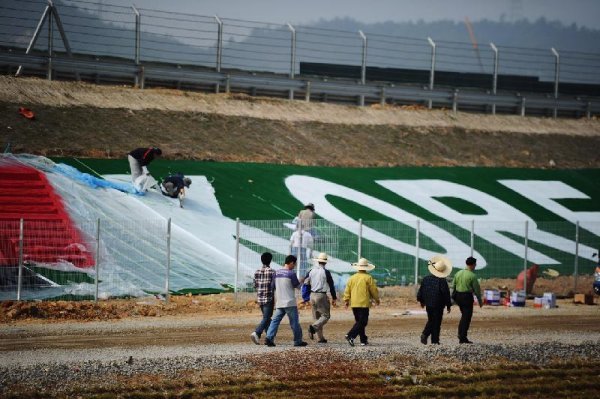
point(321, 283)
point(434, 295)
point(360, 291)
point(465, 285)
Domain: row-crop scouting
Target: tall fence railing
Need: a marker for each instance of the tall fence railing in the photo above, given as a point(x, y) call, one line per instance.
point(401, 250)
point(144, 37)
point(107, 258)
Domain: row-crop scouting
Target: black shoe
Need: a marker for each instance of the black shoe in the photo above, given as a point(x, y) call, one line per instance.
point(300, 344)
point(350, 340)
point(435, 343)
point(311, 332)
point(322, 341)
point(424, 339)
point(364, 343)
point(465, 341)
point(268, 342)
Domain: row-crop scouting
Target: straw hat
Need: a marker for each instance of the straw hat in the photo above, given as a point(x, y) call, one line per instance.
point(440, 266)
point(551, 273)
point(322, 258)
point(363, 264)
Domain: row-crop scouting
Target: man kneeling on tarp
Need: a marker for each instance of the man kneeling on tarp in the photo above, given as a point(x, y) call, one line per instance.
point(174, 186)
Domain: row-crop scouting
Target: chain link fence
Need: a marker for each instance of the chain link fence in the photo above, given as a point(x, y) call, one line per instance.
point(400, 250)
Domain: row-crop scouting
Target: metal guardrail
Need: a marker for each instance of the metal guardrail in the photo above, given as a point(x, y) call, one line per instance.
point(338, 90)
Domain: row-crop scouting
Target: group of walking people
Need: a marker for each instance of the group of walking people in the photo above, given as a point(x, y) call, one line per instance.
point(276, 297)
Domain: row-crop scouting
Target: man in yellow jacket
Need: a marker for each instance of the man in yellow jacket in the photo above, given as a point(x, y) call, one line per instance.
point(360, 291)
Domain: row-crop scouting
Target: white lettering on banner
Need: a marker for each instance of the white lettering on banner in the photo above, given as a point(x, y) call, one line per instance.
point(544, 193)
point(311, 189)
point(500, 217)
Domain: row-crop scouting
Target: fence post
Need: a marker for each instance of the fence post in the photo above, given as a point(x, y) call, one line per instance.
point(219, 42)
point(20, 272)
point(432, 71)
point(576, 265)
point(495, 79)
point(556, 74)
point(418, 230)
point(293, 58)
point(167, 295)
point(525, 258)
point(50, 43)
point(360, 229)
point(97, 277)
point(472, 236)
point(455, 101)
point(522, 112)
point(307, 94)
point(237, 256)
point(363, 68)
point(138, 27)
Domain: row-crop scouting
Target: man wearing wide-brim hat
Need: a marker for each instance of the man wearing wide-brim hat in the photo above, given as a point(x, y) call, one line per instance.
point(360, 291)
point(321, 283)
point(434, 295)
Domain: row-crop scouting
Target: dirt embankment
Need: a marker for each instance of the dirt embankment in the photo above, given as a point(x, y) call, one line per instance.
point(77, 119)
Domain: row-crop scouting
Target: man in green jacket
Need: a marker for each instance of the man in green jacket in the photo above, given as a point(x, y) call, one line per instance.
point(465, 285)
point(360, 290)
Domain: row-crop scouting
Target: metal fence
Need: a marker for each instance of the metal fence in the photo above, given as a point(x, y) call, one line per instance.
point(106, 258)
point(400, 250)
point(111, 42)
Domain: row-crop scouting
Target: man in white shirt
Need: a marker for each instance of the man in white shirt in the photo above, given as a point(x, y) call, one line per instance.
point(300, 243)
point(321, 283)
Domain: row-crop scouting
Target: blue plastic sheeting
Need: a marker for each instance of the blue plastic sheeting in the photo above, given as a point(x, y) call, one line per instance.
point(93, 181)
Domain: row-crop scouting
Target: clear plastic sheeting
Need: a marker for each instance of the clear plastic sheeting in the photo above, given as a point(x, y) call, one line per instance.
point(134, 248)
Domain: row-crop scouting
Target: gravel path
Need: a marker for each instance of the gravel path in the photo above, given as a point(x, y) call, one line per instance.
point(527, 335)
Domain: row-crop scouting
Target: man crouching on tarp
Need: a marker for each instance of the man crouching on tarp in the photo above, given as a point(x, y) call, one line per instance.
point(174, 186)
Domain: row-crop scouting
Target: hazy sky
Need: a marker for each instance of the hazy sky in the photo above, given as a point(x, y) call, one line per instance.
point(582, 12)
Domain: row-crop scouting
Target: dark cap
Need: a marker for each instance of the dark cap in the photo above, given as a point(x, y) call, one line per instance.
point(471, 260)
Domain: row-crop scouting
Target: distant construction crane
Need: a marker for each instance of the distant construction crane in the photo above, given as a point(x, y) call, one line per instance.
point(474, 42)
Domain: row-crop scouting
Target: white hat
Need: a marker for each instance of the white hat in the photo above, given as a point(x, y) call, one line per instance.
point(363, 264)
point(440, 266)
point(322, 258)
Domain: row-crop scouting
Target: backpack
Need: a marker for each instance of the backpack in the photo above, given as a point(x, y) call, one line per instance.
point(305, 290)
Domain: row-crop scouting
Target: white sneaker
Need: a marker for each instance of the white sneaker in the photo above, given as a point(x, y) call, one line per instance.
point(254, 337)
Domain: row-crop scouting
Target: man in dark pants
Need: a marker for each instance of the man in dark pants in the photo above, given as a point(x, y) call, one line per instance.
point(465, 285)
point(434, 295)
point(263, 281)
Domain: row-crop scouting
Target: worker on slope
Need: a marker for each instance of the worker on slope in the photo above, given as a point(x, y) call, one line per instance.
point(174, 186)
point(138, 163)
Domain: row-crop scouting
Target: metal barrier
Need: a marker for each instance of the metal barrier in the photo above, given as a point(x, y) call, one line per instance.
point(400, 250)
point(119, 44)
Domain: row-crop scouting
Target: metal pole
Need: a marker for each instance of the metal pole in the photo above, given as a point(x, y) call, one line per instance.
point(363, 68)
point(20, 272)
point(219, 43)
point(237, 255)
point(417, 253)
point(168, 260)
point(298, 273)
point(472, 236)
point(432, 71)
point(556, 74)
point(293, 58)
point(36, 35)
point(525, 258)
point(576, 265)
point(138, 27)
point(97, 268)
point(495, 79)
point(50, 42)
point(360, 229)
point(63, 35)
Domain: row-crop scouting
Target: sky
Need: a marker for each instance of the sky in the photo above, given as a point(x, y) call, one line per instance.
point(584, 13)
